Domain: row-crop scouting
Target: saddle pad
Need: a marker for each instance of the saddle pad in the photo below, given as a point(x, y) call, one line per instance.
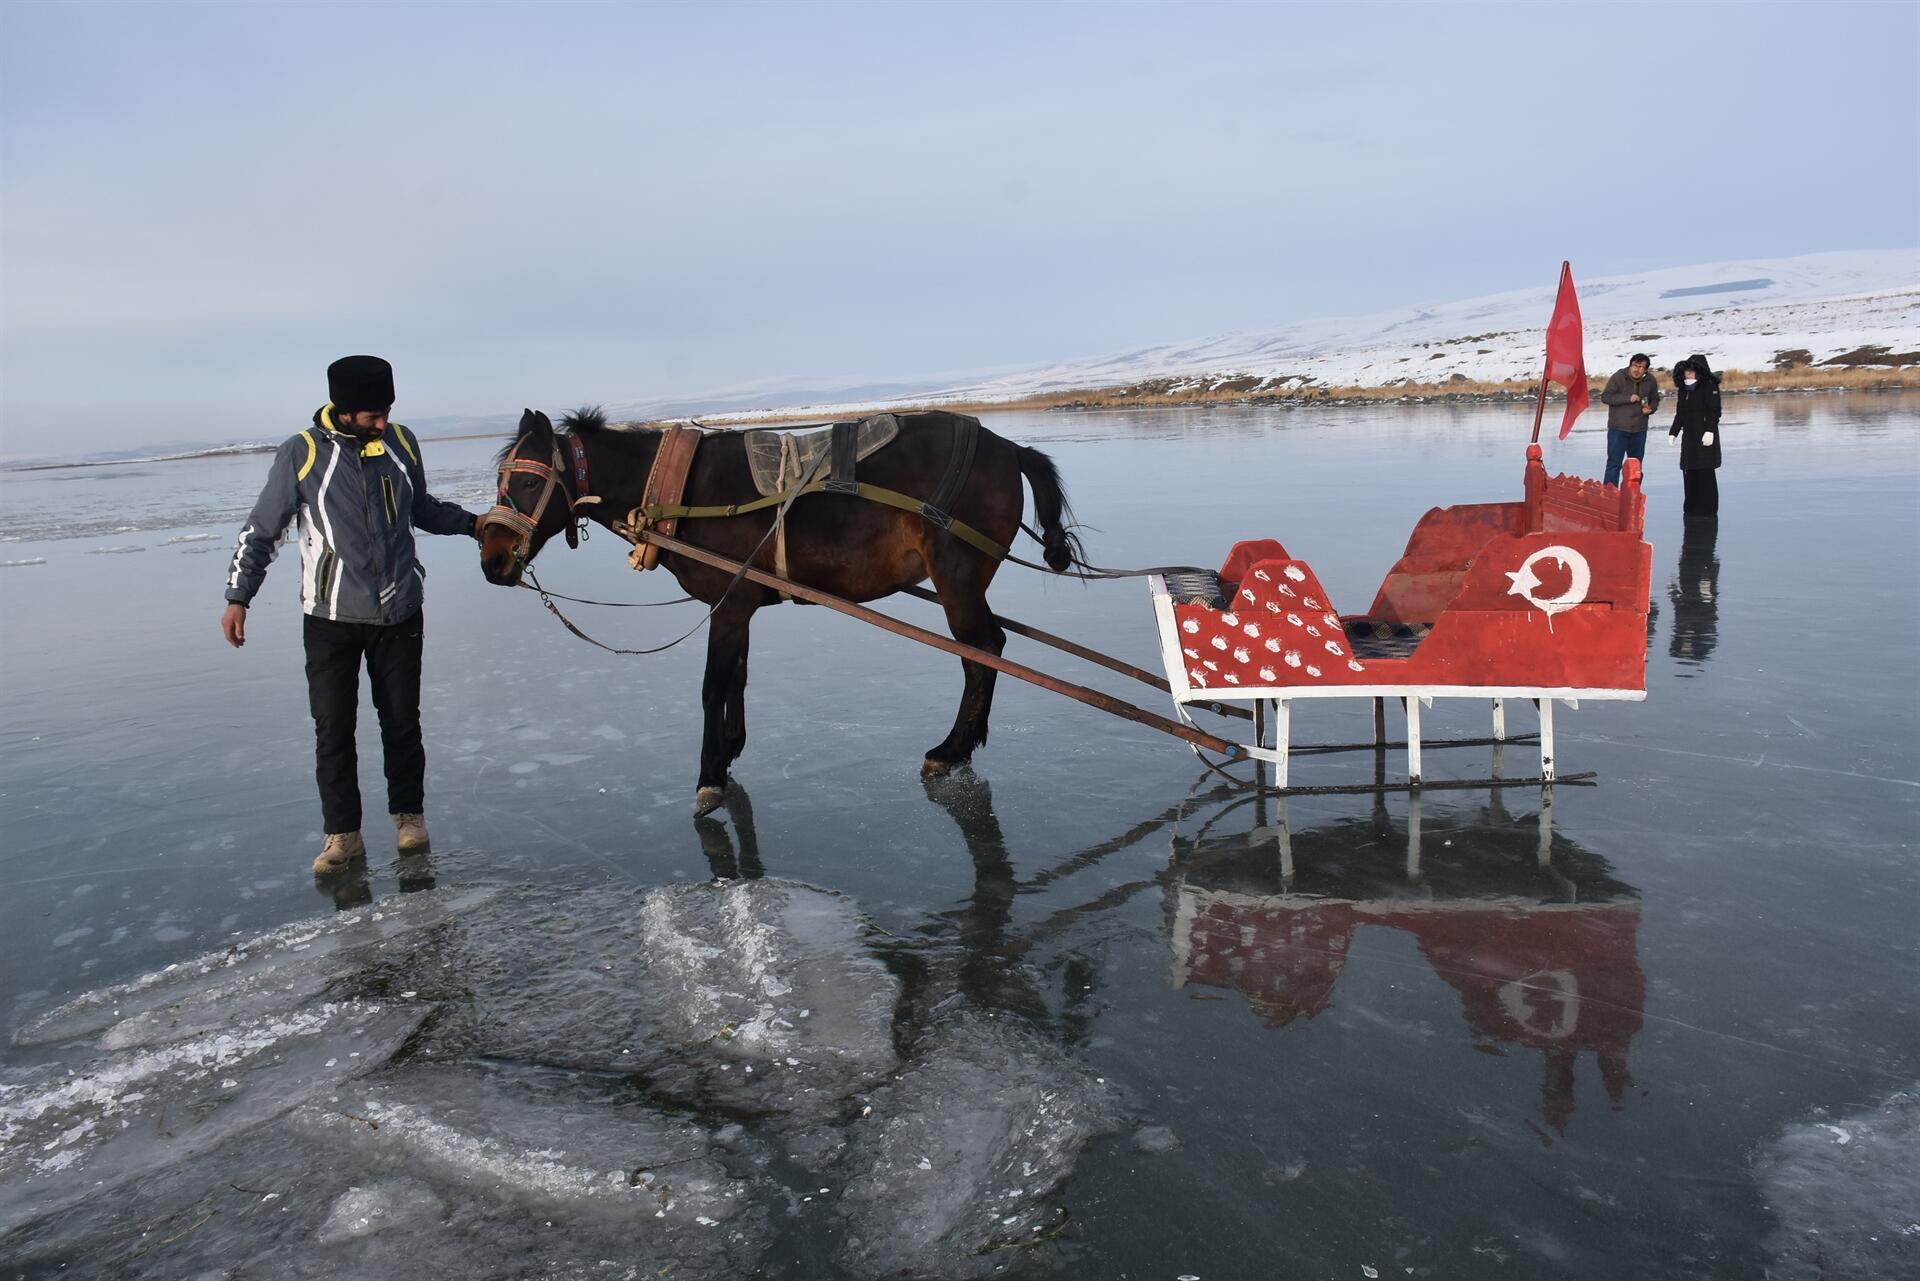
point(778, 459)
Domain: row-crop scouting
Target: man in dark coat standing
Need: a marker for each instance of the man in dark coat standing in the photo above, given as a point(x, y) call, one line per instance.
point(1630, 396)
point(356, 482)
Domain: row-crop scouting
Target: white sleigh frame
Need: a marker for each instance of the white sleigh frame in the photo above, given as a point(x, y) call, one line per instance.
point(1272, 705)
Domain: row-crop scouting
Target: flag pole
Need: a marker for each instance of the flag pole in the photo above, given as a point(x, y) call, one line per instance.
point(1540, 405)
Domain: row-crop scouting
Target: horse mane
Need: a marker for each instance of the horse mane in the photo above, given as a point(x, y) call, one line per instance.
point(586, 419)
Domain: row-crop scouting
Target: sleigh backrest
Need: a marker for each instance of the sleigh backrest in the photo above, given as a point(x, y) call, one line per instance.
point(1430, 573)
point(1576, 503)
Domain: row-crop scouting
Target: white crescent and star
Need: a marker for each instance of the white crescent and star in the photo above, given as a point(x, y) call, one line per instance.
point(1526, 582)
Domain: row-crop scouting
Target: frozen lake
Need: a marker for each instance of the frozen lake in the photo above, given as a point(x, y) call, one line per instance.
point(1066, 1014)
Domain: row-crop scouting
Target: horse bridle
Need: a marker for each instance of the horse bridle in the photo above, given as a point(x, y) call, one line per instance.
point(522, 524)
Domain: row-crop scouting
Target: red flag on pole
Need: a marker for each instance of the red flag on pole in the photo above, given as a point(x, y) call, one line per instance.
point(1566, 355)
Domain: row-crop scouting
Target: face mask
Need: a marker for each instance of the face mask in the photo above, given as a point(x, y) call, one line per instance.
point(1692, 381)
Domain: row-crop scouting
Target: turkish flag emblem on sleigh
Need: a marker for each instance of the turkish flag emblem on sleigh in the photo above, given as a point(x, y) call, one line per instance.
point(1541, 599)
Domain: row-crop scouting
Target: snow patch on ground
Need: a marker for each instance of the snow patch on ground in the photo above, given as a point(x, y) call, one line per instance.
point(1740, 314)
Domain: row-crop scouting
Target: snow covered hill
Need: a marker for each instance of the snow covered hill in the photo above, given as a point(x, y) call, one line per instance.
point(1752, 314)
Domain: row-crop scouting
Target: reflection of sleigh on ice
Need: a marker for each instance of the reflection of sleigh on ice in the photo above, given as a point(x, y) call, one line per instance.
point(1535, 934)
point(1544, 599)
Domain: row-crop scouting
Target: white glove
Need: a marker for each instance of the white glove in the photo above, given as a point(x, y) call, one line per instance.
point(1706, 438)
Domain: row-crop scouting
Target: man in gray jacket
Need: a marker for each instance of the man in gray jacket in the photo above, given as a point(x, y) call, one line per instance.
point(357, 485)
point(1630, 396)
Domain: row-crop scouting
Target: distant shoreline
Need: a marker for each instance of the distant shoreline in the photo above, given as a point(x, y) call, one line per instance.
point(1156, 395)
point(1153, 396)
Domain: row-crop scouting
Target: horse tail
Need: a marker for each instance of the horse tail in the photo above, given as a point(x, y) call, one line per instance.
point(1050, 509)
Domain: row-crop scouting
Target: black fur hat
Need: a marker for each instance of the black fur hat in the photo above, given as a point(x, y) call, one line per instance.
point(355, 383)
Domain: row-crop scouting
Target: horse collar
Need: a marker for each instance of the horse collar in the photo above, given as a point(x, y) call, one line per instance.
point(666, 486)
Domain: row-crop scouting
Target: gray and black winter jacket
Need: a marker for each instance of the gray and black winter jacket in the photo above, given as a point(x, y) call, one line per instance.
point(357, 504)
point(1623, 412)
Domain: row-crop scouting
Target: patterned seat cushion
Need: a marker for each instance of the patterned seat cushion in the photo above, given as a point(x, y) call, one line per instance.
point(1370, 638)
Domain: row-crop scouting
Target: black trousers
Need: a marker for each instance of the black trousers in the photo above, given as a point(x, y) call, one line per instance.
point(1702, 492)
point(392, 654)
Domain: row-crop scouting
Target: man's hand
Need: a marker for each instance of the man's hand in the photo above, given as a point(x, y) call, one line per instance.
point(233, 625)
point(1646, 409)
point(1634, 399)
point(479, 525)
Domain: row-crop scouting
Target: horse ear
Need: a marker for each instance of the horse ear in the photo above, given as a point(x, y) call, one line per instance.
point(526, 420)
point(546, 423)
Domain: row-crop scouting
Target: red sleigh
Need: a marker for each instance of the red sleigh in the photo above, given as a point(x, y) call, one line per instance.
point(1544, 599)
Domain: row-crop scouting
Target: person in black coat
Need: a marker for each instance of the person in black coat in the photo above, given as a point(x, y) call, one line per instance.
point(1696, 421)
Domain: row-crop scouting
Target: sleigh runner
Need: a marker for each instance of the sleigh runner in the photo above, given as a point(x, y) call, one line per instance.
point(1544, 599)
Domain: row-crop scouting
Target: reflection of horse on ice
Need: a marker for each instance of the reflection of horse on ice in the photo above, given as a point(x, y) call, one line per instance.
point(1533, 932)
point(1536, 936)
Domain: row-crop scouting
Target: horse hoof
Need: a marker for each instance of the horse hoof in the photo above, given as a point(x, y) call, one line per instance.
point(931, 768)
point(707, 800)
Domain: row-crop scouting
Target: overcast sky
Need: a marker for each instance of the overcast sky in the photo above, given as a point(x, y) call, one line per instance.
point(201, 205)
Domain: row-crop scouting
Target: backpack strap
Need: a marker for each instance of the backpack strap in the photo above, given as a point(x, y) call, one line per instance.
point(406, 442)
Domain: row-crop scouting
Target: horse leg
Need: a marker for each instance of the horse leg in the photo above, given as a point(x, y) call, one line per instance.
point(971, 621)
point(733, 718)
point(726, 670)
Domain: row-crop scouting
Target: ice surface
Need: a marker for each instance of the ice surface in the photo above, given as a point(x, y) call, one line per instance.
point(1847, 1194)
point(961, 1152)
point(597, 1082)
point(276, 970)
point(278, 1202)
point(762, 995)
point(404, 1204)
point(536, 1136)
point(68, 1133)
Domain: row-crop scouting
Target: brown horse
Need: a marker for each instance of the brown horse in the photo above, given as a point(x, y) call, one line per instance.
point(837, 543)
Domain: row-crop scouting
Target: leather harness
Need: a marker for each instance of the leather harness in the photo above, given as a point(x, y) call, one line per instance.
point(666, 485)
point(661, 509)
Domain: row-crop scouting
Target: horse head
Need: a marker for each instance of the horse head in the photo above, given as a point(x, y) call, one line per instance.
point(534, 471)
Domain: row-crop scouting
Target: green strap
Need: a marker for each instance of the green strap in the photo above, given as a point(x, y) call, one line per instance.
point(874, 493)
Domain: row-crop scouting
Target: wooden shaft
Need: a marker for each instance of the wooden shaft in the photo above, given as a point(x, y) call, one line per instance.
point(1080, 693)
point(1061, 643)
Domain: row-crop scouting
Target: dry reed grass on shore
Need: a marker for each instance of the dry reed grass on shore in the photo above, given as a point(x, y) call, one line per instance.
point(1294, 390)
point(1462, 390)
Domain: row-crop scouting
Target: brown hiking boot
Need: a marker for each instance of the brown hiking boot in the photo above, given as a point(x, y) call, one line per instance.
point(339, 850)
point(411, 829)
